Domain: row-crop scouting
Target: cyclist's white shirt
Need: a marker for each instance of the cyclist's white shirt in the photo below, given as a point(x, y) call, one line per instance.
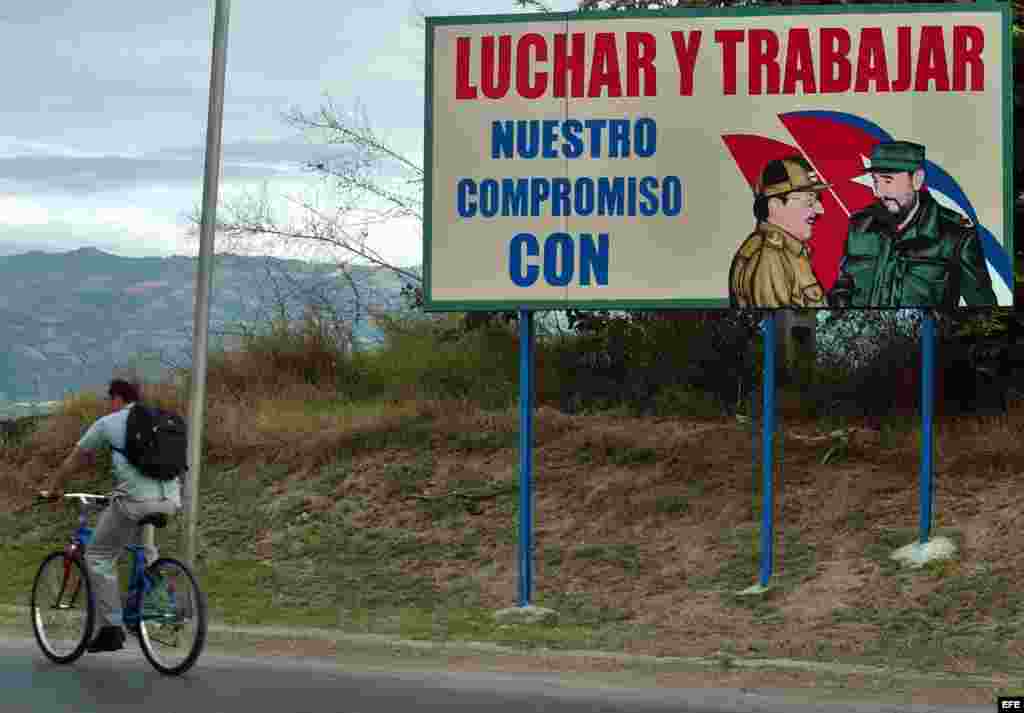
point(128, 481)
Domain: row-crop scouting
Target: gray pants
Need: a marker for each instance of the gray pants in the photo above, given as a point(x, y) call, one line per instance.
point(118, 527)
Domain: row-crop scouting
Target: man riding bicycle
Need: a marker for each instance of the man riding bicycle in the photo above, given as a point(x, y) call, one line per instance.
point(135, 496)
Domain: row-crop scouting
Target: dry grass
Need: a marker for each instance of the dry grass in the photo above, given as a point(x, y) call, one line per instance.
point(303, 426)
point(649, 521)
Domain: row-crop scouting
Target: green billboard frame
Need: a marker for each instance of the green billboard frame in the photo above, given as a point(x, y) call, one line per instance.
point(432, 305)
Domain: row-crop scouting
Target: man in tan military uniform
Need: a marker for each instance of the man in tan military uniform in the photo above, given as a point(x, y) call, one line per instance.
point(772, 268)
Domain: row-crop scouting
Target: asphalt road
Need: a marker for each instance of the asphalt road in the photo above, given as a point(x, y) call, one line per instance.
point(124, 681)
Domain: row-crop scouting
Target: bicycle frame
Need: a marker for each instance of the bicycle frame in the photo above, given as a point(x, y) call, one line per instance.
point(75, 549)
point(139, 583)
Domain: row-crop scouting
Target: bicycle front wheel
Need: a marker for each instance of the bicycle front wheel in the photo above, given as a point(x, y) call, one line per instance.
point(62, 607)
point(172, 632)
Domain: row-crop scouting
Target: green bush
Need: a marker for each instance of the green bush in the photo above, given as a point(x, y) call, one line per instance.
point(630, 361)
point(433, 359)
point(686, 402)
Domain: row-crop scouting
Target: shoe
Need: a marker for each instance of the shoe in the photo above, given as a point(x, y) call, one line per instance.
point(110, 638)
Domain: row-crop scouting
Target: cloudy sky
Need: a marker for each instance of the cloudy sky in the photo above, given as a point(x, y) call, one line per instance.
point(102, 133)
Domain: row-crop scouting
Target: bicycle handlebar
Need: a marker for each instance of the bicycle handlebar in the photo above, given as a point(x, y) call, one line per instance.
point(84, 500)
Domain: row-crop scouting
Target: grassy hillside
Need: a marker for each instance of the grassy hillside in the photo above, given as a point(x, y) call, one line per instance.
point(379, 493)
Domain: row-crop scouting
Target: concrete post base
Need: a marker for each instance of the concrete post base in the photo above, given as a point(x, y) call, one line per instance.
point(917, 555)
point(526, 615)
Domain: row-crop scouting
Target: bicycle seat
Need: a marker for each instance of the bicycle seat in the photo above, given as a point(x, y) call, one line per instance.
point(157, 520)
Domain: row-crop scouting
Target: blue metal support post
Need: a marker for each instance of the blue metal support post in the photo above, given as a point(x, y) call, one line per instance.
point(525, 457)
point(927, 410)
point(767, 462)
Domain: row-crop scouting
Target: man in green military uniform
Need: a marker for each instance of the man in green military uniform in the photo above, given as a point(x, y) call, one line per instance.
point(905, 250)
point(772, 268)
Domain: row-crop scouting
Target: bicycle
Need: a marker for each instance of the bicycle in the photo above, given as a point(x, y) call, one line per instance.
point(163, 606)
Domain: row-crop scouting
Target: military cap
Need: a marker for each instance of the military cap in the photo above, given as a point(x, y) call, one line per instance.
point(781, 176)
point(896, 156)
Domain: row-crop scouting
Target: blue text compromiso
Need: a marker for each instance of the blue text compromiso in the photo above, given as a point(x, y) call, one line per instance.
point(538, 195)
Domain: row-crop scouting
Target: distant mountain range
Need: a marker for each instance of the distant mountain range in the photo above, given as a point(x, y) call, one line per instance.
point(68, 319)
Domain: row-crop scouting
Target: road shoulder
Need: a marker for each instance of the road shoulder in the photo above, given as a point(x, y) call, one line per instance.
point(794, 681)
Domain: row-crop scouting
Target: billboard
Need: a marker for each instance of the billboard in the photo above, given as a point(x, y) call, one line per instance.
point(816, 157)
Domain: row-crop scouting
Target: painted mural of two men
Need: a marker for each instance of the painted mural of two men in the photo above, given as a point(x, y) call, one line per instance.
point(904, 250)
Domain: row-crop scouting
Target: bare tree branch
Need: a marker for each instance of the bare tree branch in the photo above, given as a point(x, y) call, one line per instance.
point(238, 229)
point(536, 5)
point(358, 134)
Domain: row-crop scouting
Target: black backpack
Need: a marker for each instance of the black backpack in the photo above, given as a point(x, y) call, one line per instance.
point(156, 442)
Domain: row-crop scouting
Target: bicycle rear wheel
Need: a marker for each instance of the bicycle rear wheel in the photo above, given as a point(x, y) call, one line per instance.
point(62, 607)
point(172, 632)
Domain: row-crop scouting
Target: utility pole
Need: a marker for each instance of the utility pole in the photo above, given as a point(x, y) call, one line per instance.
point(204, 279)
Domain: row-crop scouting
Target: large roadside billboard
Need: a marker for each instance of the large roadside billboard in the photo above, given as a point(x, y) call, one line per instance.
point(818, 157)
